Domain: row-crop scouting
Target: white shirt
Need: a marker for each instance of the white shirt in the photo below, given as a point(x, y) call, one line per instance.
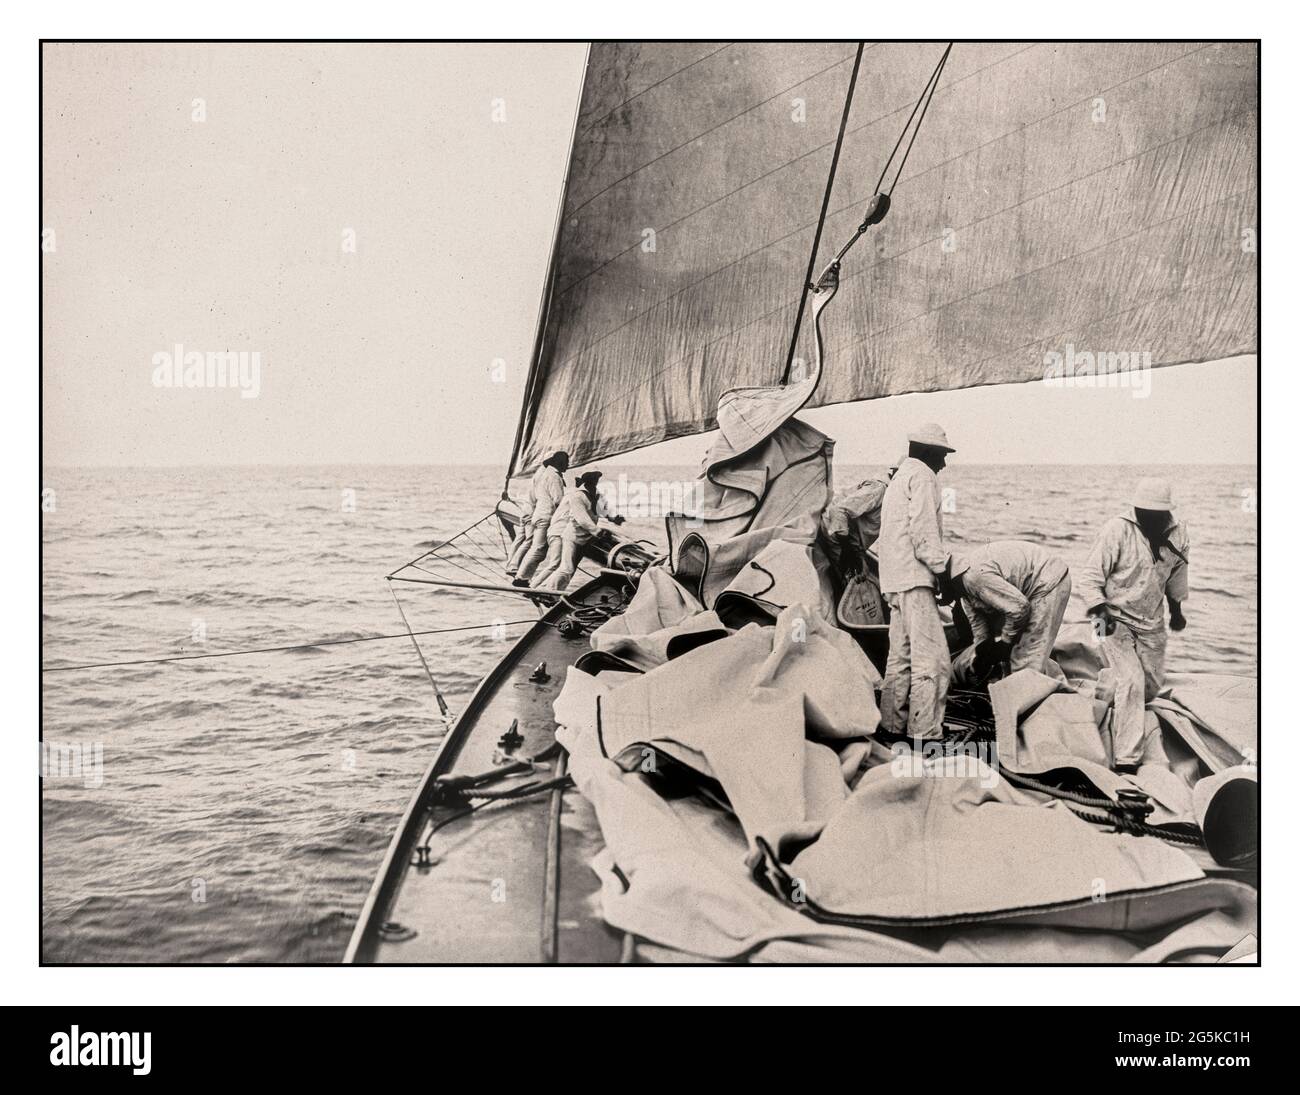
point(1004, 578)
point(856, 514)
point(546, 492)
point(1122, 574)
point(910, 547)
point(575, 517)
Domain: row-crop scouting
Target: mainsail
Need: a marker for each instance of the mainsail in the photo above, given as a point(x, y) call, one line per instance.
point(1063, 199)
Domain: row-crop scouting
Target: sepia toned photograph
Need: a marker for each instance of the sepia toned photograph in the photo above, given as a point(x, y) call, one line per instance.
point(622, 503)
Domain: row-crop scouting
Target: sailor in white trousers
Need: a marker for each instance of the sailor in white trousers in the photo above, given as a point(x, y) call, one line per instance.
point(1015, 594)
point(546, 495)
point(1138, 563)
point(574, 524)
point(913, 559)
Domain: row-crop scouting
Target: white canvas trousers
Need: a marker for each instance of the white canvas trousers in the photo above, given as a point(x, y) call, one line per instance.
point(918, 670)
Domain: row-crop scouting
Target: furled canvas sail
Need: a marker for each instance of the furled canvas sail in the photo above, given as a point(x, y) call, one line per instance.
point(1062, 199)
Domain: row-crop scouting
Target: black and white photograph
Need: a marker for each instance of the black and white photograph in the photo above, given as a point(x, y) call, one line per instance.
point(773, 502)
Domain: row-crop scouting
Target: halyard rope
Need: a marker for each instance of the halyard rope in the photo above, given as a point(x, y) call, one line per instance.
point(926, 95)
point(922, 104)
point(821, 218)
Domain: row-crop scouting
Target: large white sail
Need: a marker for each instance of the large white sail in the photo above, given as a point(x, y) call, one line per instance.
point(1061, 199)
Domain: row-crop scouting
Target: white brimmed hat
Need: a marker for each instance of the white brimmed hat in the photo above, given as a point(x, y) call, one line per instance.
point(1152, 493)
point(930, 433)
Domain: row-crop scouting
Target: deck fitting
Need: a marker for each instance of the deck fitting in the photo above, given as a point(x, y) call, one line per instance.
point(512, 739)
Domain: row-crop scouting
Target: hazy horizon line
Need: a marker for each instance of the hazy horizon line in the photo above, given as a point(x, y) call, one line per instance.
point(648, 463)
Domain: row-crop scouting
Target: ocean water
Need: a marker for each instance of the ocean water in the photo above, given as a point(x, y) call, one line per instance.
point(240, 806)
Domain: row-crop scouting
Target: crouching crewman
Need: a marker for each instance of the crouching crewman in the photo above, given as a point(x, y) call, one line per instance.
point(1015, 594)
point(575, 523)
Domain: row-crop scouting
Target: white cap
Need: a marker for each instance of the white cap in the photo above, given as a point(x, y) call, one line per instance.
point(958, 565)
point(930, 433)
point(1153, 493)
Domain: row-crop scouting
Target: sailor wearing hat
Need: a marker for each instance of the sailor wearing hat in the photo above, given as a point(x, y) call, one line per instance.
point(544, 496)
point(574, 524)
point(1137, 564)
point(912, 559)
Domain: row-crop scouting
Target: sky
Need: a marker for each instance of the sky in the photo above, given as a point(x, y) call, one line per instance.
point(374, 222)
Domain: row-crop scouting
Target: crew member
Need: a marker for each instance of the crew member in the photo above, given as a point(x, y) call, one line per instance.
point(912, 559)
point(1014, 594)
point(851, 523)
point(1138, 563)
point(544, 495)
point(574, 524)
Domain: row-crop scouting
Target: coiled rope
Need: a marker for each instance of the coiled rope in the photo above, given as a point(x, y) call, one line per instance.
point(1125, 824)
point(1102, 811)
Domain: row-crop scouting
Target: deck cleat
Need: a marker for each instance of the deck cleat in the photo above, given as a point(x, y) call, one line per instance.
point(423, 858)
point(508, 745)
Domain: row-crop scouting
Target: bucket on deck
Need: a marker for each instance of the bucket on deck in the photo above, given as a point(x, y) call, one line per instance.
point(1226, 806)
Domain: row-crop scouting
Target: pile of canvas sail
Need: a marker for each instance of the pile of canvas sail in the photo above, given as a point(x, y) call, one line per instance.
point(1198, 762)
point(1062, 199)
point(936, 860)
point(923, 865)
point(765, 482)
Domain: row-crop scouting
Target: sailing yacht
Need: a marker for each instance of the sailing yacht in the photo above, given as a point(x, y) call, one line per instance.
point(747, 229)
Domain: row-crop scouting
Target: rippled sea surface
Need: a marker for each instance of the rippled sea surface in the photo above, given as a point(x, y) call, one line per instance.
point(245, 803)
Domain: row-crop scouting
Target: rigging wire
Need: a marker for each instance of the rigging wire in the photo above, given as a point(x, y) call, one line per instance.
point(282, 649)
point(879, 205)
point(437, 692)
point(821, 219)
point(484, 545)
point(927, 95)
point(476, 573)
point(930, 84)
point(449, 541)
